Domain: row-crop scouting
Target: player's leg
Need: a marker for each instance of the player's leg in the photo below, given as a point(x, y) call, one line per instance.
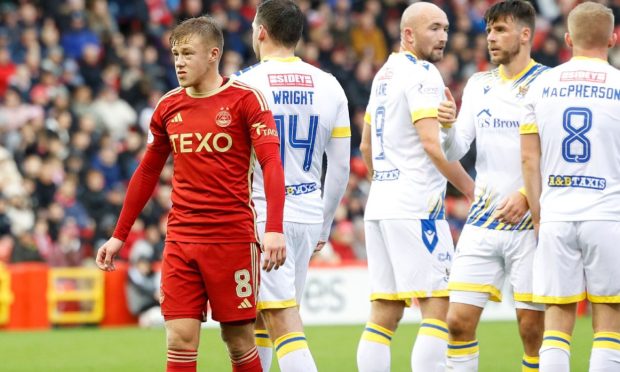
point(230, 273)
point(183, 302)
point(601, 261)
point(239, 339)
point(263, 342)
point(558, 282)
point(531, 323)
point(606, 346)
point(519, 259)
point(477, 274)
point(386, 310)
point(429, 349)
point(278, 299)
point(289, 340)
point(373, 352)
point(434, 251)
point(284, 324)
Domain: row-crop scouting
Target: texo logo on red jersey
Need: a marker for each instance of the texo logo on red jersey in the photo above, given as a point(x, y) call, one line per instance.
point(197, 142)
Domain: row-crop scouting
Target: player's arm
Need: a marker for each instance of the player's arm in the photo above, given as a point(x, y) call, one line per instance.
point(459, 132)
point(338, 152)
point(264, 136)
point(531, 155)
point(530, 163)
point(366, 146)
point(139, 191)
point(428, 131)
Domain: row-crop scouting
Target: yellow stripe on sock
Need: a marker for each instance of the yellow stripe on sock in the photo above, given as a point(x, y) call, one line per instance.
point(262, 338)
point(556, 339)
point(290, 342)
point(606, 340)
point(375, 333)
point(434, 328)
point(462, 348)
point(529, 363)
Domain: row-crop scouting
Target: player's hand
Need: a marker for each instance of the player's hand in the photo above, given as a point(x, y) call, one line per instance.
point(536, 229)
point(447, 110)
point(274, 251)
point(106, 254)
point(512, 209)
point(319, 246)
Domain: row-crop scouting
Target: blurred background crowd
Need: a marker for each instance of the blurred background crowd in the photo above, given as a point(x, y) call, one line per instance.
point(79, 80)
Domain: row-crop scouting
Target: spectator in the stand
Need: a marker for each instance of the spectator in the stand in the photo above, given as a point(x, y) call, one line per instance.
point(367, 39)
point(142, 288)
point(114, 114)
point(78, 37)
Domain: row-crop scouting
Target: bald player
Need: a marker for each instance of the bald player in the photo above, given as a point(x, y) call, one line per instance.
point(408, 240)
point(570, 145)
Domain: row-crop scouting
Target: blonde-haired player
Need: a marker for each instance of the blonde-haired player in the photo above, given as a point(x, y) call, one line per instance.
point(570, 146)
point(407, 237)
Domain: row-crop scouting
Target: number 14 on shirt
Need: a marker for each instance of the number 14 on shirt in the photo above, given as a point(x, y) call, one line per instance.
point(289, 136)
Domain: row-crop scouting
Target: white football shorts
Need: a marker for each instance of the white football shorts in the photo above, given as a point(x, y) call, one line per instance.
point(485, 258)
point(577, 260)
point(408, 258)
point(284, 287)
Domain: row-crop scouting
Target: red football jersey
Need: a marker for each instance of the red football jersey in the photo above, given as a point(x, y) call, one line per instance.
point(211, 138)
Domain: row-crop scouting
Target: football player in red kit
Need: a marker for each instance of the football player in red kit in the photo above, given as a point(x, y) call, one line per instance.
point(215, 128)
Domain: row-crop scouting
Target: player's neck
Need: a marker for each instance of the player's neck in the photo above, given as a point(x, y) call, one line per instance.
point(272, 51)
point(212, 82)
point(516, 66)
point(599, 53)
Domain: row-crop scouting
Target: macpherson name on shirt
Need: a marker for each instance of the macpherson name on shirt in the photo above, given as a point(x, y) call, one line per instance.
point(583, 91)
point(577, 181)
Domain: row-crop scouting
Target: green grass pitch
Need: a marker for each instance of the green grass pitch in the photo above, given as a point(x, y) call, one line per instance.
point(334, 348)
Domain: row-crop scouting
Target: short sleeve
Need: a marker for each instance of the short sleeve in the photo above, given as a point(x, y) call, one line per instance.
point(259, 119)
point(342, 124)
point(528, 124)
point(424, 97)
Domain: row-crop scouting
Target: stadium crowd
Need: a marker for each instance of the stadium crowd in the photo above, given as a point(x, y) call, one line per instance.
point(79, 80)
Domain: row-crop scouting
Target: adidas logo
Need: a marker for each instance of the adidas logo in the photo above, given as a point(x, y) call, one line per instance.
point(177, 118)
point(245, 304)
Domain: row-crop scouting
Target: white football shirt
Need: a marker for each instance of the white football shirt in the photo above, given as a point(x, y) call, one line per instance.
point(406, 184)
point(575, 109)
point(490, 113)
point(309, 107)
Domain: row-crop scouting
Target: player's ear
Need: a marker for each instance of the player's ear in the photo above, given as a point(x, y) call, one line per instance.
point(568, 40)
point(262, 32)
point(612, 40)
point(526, 34)
point(214, 55)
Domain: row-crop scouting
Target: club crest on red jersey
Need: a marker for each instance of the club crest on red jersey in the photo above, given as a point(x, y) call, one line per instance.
point(223, 118)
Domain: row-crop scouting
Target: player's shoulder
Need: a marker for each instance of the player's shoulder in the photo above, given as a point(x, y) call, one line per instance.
point(247, 91)
point(170, 96)
point(247, 72)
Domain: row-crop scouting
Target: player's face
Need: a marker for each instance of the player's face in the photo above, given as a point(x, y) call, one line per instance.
point(191, 61)
point(431, 37)
point(503, 38)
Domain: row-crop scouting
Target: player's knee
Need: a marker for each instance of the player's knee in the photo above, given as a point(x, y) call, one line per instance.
point(460, 326)
point(178, 339)
point(531, 330)
point(238, 339)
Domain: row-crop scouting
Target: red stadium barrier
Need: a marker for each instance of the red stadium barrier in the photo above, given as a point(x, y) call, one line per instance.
point(29, 287)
